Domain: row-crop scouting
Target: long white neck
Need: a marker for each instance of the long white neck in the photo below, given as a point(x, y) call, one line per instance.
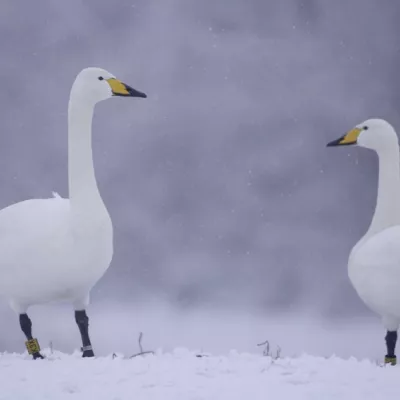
point(83, 189)
point(387, 211)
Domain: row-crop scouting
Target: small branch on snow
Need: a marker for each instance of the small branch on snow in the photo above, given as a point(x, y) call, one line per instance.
point(266, 352)
point(140, 341)
point(201, 354)
point(141, 353)
point(267, 348)
point(278, 353)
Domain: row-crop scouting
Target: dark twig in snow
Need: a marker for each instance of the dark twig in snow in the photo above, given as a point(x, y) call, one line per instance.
point(140, 341)
point(267, 348)
point(278, 352)
point(266, 352)
point(141, 353)
point(201, 354)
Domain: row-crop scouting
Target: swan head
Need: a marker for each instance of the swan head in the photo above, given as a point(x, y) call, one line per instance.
point(375, 134)
point(97, 84)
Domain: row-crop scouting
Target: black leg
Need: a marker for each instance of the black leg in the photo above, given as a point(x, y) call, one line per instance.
point(391, 339)
point(83, 324)
point(32, 344)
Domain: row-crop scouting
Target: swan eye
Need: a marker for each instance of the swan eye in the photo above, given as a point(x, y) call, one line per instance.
point(100, 78)
point(365, 128)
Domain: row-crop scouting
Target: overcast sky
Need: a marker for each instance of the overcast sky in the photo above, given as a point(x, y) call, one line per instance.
point(220, 186)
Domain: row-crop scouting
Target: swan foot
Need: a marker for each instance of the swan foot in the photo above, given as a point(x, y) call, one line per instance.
point(33, 348)
point(32, 344)
point(37, 356)
point(87, 351)
point(390, 360)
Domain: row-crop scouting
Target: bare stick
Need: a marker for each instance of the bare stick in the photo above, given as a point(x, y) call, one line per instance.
point(278, 352)
point(141, 353)
point(266, 349)
point(140, 342)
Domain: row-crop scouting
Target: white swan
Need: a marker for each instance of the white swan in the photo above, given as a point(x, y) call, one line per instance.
point(57, 249)
point(374, 262)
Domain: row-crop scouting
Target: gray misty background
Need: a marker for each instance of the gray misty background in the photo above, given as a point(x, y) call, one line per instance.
point(221, 190)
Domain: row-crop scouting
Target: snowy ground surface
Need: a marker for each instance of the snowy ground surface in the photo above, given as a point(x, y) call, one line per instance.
point(342, 360)
point(180, 375)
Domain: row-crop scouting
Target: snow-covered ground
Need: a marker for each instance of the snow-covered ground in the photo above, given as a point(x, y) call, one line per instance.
point(342, 361)
point(180, 375)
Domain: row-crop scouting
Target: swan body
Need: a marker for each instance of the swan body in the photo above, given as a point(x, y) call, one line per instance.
point(49, 252)
point(57, 249)
point(374, 262)
point(374, 271)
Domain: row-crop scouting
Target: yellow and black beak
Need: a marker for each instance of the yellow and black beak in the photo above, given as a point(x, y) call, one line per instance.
point(348, 139)
point(121, 89)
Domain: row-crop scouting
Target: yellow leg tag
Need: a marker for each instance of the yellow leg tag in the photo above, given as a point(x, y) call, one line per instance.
point(390, 360)
point(32, 346)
